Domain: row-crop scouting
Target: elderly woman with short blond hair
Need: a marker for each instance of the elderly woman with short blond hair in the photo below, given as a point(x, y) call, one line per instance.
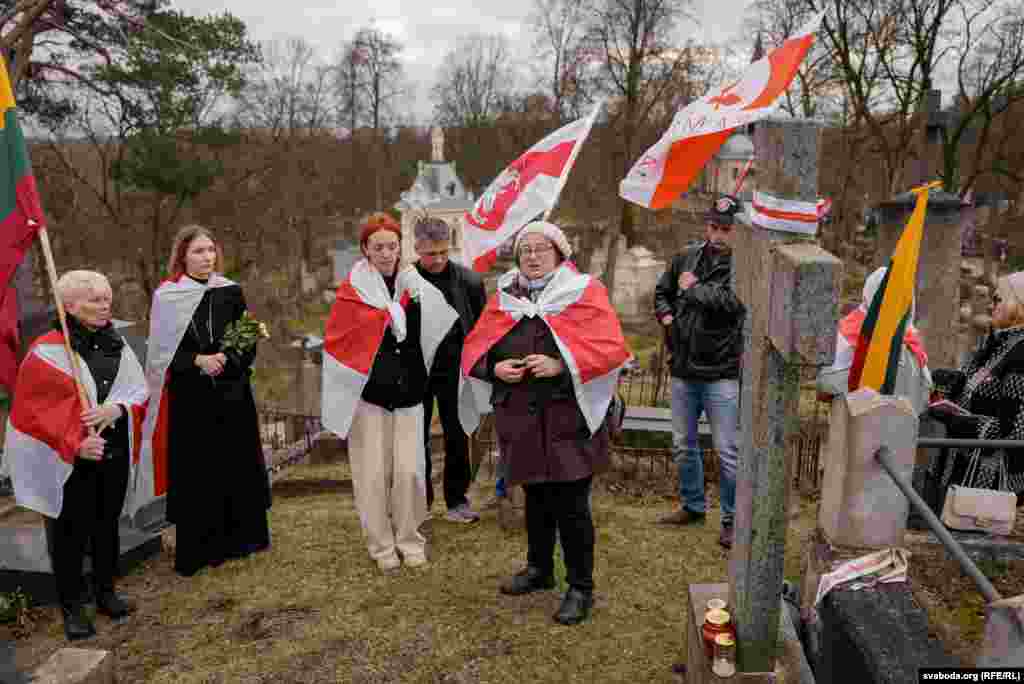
point(72, 462)
point(991, 387)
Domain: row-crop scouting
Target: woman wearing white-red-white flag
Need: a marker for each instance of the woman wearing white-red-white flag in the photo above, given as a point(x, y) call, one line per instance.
point(527, 187)
point(546, 354)
point(667, 169)
point(201, 439)
point(379, 344)
point(78, 480)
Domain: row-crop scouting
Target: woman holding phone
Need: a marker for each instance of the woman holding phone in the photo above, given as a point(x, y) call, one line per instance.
point(548, 349)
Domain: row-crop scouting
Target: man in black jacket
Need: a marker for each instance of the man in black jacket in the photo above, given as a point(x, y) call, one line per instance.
point(464, 291)
point(703, 318)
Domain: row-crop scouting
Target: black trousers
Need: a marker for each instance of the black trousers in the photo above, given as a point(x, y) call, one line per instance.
point(561, 508)
point(457, 473)
point(93, 498)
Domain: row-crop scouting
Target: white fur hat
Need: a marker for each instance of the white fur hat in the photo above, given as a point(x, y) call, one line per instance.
point(551, 232)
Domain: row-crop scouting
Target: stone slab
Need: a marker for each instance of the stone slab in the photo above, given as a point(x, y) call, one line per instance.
point(76, 666)
point(803, 314)
point(861, 506)
point(877, 634)
point(25, 560)
point(1003, 644)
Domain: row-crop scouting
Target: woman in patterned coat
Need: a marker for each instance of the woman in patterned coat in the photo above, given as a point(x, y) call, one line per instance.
point(991, 387)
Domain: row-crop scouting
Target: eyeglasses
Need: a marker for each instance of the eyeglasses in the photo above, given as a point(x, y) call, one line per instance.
point(526, 250)
point(720, 228)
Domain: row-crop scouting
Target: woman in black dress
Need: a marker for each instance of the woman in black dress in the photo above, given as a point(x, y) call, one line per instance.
point(218, 491)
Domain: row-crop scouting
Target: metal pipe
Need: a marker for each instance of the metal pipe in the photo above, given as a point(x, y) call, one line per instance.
point(951, 544)
point(970, 443)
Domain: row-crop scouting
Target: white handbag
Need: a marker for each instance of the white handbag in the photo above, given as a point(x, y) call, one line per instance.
point(984, 510)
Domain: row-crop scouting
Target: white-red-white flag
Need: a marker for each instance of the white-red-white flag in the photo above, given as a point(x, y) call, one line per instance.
point(362, 311)
point(668, 168)
point(527, 187)
point(44, 431)
point(174, 304)
point(576, 309)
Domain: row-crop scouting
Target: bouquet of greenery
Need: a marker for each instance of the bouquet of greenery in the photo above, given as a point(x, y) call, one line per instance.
point(241, 335)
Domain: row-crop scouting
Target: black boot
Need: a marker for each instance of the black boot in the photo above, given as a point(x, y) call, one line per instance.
point(112, 605)
point(575, 607)
point(77, 624)
point(528, 580)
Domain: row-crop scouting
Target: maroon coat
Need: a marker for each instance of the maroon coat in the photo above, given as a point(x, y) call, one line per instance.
point(542, 433)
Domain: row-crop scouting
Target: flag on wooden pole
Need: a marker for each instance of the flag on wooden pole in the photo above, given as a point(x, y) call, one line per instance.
point(668, 168)
point(876, 360)
point(21, 217)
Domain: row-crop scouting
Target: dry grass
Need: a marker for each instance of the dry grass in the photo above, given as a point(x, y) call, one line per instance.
point(315, 609)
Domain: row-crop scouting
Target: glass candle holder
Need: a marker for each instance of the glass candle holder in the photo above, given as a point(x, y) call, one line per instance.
point(724, 663)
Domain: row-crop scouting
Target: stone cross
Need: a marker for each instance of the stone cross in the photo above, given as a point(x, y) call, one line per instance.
point(437, 141)
point(925, 160)
point(790, 287)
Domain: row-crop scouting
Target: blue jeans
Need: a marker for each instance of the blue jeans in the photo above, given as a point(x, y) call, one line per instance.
point(720, 399)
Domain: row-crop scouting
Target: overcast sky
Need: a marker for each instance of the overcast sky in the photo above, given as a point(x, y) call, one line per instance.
point(428, 29)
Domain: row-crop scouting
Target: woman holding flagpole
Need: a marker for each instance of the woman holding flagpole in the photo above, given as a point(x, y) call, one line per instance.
point(203, 435)
point(546, 354)
point(381, 338)
point(71, 462)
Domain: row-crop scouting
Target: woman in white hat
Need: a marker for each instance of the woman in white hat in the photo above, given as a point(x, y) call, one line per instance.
point(547, 351)
point(991, 387)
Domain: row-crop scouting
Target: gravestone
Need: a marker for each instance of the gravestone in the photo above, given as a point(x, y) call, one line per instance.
point(344, 255)
point(790, 287)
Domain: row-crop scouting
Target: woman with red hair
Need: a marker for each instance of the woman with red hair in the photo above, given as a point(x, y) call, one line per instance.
point(384, 329)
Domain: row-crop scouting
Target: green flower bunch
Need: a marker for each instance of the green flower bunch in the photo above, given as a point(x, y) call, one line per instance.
point(243, 334)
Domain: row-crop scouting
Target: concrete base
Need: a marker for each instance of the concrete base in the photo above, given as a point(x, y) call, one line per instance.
point(25, 558)
point(1003, 645)
point(328, 448)
point(76, 666)
point(698, 668)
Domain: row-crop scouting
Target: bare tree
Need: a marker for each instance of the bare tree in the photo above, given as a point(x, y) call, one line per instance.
point(289, 92)
point(642, 59)
point(990, 80)
point(888, 54)
point(559, 40)
point(474, 82)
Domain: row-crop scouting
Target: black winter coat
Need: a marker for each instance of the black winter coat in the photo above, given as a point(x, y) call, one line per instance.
point(706, 335)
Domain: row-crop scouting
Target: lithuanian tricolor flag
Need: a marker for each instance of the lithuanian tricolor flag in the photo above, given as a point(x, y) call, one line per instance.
point(876, 360)
point(21, 217)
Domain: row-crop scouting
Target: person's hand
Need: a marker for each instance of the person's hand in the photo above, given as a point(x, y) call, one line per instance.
point(687, 280)
point(100, 415)
point(510, 370)
point(544, 366)
point(92, 448)
point(666, 320)
point(210, 364)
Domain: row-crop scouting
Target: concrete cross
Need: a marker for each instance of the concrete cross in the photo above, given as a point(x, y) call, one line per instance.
point(791, 323)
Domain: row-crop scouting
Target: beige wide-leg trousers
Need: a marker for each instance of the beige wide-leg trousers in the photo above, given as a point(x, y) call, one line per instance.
point(389, 479)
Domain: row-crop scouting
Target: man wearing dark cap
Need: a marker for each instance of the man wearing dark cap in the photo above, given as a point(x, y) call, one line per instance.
point(703, 319)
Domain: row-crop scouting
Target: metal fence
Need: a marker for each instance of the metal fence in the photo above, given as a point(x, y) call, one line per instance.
point(287, 435)
point(649, 386)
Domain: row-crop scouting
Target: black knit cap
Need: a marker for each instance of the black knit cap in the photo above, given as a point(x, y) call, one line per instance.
point(723, 211)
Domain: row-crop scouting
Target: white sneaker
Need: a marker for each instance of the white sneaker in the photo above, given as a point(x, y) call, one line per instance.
point(389, 563)
point(462, 514)
point(415, 561)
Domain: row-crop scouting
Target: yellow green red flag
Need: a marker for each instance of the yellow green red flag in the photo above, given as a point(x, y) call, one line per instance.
point(21, 217)
point(876, 360)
